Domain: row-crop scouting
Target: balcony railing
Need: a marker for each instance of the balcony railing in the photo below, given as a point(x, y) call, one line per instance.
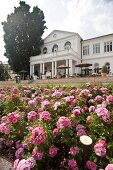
point(54, 54)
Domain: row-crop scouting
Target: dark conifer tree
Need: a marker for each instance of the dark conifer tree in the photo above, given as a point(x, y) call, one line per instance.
point(22, 35)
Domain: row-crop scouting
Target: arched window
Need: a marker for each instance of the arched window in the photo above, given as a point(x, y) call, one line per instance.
point(108, 66)
point(67, 45)
point(55, 48)
point(96, 68)
point(44, 50)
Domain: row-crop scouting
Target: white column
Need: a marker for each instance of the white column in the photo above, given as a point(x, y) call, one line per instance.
point(52, 73)
point(67, 64)
point(31, 71)
point(55, 68)
point(40, 70)
point(43, 68)
point(70, 69)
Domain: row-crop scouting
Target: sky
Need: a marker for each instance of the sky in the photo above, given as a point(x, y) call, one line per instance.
point(88, 18)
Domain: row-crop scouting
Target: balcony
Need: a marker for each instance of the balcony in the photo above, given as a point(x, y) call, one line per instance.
point(54, 55)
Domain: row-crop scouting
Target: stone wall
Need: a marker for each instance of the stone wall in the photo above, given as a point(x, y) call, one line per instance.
point(5, 164)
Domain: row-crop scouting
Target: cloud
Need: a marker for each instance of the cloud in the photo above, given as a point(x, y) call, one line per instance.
point(89, 18)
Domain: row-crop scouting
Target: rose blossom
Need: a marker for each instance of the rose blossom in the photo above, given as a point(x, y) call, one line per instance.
point(109, 167)
point(100, 148)
point(91, 108)
point(38, 136)
point(109, 99)
point(37, 154)
point(57, 94)
point(24, 164)
point(13, 117)
point(75, 112)
point(74, 150)
point(56, 105)
point(5, 128)
point(103, 113)
point(63, 122)
point(32, 115)
point(55, 132)
point(9, 142)
point(91, 165)
point(52, 151)
point(31, 103)
point(19, 153)
point(69, 99)
point(45, 104)
point(72, 164)
point(45, 115)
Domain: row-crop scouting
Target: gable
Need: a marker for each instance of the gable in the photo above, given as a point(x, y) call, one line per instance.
point(57, 34)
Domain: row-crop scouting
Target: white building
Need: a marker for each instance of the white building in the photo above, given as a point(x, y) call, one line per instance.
point(69, 49)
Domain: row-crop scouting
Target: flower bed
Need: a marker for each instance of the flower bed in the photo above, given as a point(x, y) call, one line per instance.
point(57, 127)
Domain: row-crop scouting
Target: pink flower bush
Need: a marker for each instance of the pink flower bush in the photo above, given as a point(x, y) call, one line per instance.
point(63, 122)
point(37, 136)
point(47, 124)
point(91, 165)
point(100, 148)
point(52, 151)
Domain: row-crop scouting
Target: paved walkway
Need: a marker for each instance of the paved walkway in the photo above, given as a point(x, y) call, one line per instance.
point(64, 81)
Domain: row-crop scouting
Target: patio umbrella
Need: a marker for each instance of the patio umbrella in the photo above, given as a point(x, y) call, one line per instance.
point(63, 67)
point(23, 72)
point(83, 65)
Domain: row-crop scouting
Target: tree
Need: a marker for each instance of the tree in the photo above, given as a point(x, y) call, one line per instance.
point(23, 31)
point(3, 73)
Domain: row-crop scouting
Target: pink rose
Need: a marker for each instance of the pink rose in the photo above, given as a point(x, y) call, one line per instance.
point(52, 151)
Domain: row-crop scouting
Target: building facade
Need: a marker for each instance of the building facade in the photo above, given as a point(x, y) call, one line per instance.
point(69, 49)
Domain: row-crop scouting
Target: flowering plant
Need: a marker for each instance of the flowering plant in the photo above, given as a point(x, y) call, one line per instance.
point(57, 127)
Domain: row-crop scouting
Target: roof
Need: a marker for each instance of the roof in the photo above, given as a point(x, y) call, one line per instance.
point(73, 33)
point(98, 37)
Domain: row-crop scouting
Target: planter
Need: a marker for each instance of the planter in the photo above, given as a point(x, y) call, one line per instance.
point(58, 76)
point(103, 74)
point(5, 164)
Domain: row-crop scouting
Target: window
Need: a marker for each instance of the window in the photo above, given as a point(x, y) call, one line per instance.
point(55, 48)
point(96, 48)
point(108, 46)
point(67, 45)
point(44, 50)
point(86, 50)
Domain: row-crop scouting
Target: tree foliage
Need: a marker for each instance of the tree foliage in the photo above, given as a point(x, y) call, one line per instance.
point(22, 35)
point(3, 73)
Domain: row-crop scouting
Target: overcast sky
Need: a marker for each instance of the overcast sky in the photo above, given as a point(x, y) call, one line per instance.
point(89, 18)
